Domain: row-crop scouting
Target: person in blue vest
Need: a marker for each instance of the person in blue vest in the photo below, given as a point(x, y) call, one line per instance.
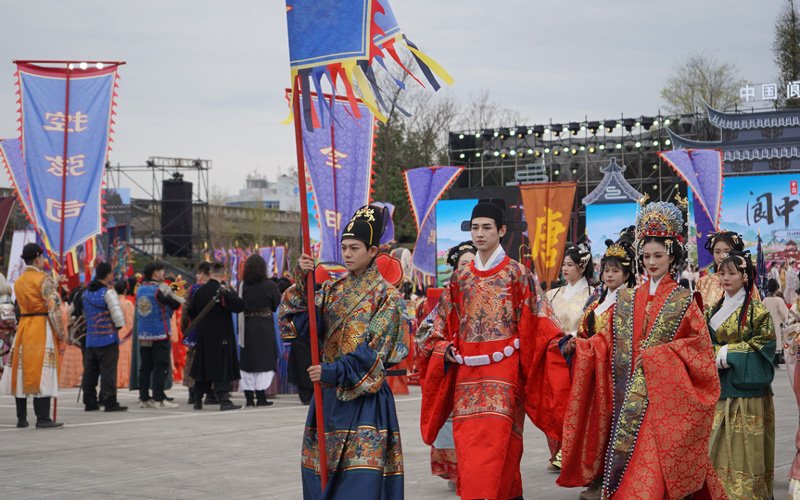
point(104, 317)
point(156, 302)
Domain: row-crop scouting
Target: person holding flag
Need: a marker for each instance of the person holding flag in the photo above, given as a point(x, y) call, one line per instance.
point(365, 324)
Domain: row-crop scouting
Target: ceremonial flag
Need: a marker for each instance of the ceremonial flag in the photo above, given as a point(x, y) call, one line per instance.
point(388, 235)
point(425, 186)
point(340, 41)
point(548, 207)
point(701, 169)
point(67, 118)
point(761, 268)
point(340, 168)
point(11, 155)
point(6, 208)
point(279, 258)
point(266, 254)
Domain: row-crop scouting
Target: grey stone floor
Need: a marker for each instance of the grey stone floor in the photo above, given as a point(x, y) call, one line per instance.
point(254, 453)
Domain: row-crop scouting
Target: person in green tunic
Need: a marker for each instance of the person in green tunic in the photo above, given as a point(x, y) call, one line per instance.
point(742, 445)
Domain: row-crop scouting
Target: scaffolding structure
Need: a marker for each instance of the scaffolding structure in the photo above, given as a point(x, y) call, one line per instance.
point(146, 211)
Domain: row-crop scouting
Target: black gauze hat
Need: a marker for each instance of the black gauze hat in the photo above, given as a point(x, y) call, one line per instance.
point(494, 208)
point(367, 225)
point(31, 251)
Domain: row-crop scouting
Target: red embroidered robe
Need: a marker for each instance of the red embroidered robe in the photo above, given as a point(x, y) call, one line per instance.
point(484, 313)
point(645, 431)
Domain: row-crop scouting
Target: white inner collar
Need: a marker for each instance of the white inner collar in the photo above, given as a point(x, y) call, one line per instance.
point(610, 300)
point(729, 306)
point(497, 256)
point(654, 285)
point(571, 290)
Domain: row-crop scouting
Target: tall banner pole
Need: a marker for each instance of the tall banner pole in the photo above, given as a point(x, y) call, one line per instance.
point(64, 160)
point(312, 313)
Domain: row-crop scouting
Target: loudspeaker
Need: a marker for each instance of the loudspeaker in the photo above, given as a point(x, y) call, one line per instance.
point(176, 217)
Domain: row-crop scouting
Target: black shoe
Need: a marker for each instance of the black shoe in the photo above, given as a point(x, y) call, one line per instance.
point(261, 397)
point(190, 401)
point(228, 405)
point(22, 412)
point(211, 399)
point(21, 424)
point(167, 398)
point(198, 404)
point(48, 424)
point(116, 407)
point(91, 407)
point(248, 396)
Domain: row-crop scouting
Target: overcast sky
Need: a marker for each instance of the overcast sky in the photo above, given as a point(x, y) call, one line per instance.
point(205, 78)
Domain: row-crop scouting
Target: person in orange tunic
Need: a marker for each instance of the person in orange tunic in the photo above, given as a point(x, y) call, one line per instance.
point(34, 362)
point(487, 364)
point(643, 394)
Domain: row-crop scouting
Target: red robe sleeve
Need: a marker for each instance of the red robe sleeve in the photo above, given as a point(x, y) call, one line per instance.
point(545, 371)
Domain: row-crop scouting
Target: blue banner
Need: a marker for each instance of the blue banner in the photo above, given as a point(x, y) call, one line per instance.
point(85, 125)
point(11, 154)
point(339, 164)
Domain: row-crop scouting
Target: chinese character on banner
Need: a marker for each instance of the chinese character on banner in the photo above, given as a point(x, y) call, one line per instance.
point(333, 157)
point(55, 122)
point(548, 231)
point(65, 148)
point(793, 89)
point(75, 165)
point(769, 92)
point(747, 93)
point(333, 219)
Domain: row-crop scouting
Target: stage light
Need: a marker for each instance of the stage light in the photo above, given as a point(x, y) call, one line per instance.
point(574, 171)
point(556, 152)
point(538, 130)
point(504, 132)
point(84, 65)
point(574, 150)
point(512, 131)
point(655, 143)
point(496, 133)
point(594, 127)
point(556, 128)
point(655, 187)
point(602, 147)
point(537, 153)
point(628, 123)
point(638, 144)
point(667, 121)
point(638, 123)
point(591, 149)
point(99, 65)
point(565, 149)
point(462, 155)
point(583, 148)
point(647, 122)
point(477, 135)
point(477, 154)
point(573, 128)
point(496, 152)
point(610, 125)
point(71, 66)
point(530, 151)
point(668, 142)
point(503, 153)
point(460, 136)
point(546, 150)
point(655, 122)
point(618, 146)
point(655, 166)
point(520, 133)
point(556, 172)
point(513, 152)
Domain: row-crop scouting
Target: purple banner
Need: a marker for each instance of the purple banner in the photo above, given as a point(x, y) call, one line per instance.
point(388, 235)
point(11, 154)
point(339, 164)
point(266, 254)
point(701, 169)
point(425, 186)
point(279, 257)
point(85, 125)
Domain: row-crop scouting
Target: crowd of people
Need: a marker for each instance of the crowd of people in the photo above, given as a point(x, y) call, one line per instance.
point(644, 387)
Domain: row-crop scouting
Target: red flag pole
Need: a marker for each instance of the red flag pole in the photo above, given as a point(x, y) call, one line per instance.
point(312, 315)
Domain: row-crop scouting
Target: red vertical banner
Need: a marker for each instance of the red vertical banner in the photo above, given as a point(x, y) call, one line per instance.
point(548, 208)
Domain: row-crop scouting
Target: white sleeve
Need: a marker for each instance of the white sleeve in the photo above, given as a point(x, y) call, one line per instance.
point(722, 358)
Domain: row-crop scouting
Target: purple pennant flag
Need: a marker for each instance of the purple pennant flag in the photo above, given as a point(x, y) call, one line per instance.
point(425, 186)
point(702, 171)
point(86, 127)
point(340, 170)
point(279, 254)
point(266, 254)
point(388, 235)
point(11, 154)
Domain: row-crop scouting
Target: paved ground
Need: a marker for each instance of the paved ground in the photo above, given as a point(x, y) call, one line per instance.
point(252, 453)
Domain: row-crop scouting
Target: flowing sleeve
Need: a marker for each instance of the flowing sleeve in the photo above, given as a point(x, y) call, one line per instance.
point(545, 371)
point(293, 308)
point(683, 389)
point(439, 328)
point(750, 361)
point(363, 371)
point(587, 419)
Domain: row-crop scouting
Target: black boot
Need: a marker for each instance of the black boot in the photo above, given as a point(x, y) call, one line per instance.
point(198, 399)
point(112, 404)
point(248, 396)
point(22, 412)
point(190, 401)
point(211, 398)
point(41, 407)
point(225, 402)
point(261, 396)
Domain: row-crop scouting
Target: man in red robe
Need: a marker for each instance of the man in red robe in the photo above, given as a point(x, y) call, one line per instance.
point(487, 364)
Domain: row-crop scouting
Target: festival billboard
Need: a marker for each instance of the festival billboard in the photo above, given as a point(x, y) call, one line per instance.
point(449, 216)
point(769, 204)
point(604, 222)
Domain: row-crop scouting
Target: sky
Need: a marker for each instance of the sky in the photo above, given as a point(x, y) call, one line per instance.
point(205, 79)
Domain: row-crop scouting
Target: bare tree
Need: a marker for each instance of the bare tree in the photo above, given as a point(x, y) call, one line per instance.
point(702, 79)
point(786, 47)
point(481, 113)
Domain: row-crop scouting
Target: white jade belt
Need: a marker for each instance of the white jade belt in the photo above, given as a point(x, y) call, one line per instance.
point(485, 359)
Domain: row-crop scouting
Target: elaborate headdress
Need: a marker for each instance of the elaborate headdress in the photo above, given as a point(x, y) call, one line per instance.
point(455, 253)
point(732, 238)
point(367, 225)
point(622, 250)
point(662, 220)
point(582, 251)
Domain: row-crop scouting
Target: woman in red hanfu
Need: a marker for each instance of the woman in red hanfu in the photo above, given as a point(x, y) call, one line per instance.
point(643, 393)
